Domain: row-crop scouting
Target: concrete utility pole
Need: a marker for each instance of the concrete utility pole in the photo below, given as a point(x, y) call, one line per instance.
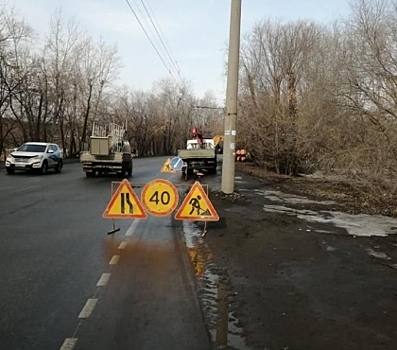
point(228, 167)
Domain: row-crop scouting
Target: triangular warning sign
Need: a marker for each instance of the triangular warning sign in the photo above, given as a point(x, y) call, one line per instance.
point(124, 204)
point(197, 206)
point(167, 167)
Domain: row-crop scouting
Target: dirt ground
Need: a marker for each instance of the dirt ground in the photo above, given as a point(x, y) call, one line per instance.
point(297, 285)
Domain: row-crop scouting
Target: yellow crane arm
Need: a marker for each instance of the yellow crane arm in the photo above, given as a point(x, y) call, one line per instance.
point(217, 139)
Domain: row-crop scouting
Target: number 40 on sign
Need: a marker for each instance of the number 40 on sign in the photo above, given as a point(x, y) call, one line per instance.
point(160, 197)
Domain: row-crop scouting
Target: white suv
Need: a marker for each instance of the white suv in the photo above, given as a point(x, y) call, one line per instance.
point(35, 156)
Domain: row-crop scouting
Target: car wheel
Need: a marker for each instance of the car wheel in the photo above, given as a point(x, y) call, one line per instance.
point(89, 174)
point(59, 166)
point(10, 171)
point(44, 168)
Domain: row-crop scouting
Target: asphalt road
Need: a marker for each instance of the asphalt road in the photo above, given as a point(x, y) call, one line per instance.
point(67, 284)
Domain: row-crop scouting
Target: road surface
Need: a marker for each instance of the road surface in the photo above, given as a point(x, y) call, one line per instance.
point(67, 284)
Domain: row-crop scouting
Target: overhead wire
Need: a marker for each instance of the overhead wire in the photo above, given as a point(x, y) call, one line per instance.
point(150, 40)
point(155, 24)
point(149, 27)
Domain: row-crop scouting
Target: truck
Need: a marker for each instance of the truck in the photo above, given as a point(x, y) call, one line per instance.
point(200, 155)
point(107, 152)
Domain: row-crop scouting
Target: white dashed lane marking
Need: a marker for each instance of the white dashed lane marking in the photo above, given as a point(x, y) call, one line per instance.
point(68, 344)
point(88, 308)
point(115, 259)
point(131, 229)
point(123, 245)
point(103, 280)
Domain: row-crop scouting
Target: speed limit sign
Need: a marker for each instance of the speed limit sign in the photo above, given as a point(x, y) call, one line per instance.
point(159, 197)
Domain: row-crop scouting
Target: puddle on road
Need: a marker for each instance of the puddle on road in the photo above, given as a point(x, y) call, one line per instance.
point(355, 225)
point(214, 292)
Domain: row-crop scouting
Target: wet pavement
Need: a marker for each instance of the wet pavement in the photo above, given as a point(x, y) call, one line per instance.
point(281, 271)
point(214, 292)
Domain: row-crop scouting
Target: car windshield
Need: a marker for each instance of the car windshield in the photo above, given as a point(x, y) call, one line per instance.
point(32, 148)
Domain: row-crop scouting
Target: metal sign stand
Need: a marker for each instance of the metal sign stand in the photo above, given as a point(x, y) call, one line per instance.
point(205, 222)
point(205, 229)
point(114, 229)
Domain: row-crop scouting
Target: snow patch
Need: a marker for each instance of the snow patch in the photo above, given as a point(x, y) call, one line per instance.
point(378, 255)
point(356, 225)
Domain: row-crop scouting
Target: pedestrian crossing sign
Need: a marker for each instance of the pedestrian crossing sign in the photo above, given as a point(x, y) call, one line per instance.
point(197, 206)
point(124, 204)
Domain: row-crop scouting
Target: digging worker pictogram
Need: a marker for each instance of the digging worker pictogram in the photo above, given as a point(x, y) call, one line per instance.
point(195, 203)
point(197, 206)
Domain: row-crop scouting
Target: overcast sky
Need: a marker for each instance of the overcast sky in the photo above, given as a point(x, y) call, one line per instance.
point(195, 32)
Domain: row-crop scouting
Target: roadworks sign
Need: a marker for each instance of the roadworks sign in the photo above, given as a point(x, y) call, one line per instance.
point(167, 168)
point(197, 206)
point(124, 204)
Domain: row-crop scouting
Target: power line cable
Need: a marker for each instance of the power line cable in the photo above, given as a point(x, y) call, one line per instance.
point(154, 36)
point(150, 15)
point(150, 40)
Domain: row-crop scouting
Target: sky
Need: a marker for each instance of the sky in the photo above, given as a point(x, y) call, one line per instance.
point(195, 33)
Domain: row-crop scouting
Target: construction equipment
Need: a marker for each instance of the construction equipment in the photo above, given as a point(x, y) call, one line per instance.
point(218, 142)
point(108, 152)
point(199, 155)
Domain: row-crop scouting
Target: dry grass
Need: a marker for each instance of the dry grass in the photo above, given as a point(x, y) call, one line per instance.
point(351, 195)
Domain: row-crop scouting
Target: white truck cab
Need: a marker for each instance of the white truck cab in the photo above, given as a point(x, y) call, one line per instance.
point(199, 158)
point(207, 144)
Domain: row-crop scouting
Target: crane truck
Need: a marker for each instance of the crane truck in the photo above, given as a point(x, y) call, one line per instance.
point(200, 154)
point(108, 152)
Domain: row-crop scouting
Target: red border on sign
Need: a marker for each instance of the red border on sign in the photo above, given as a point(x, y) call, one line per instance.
point(115, 196)
point(168, 183)
point(214, 217)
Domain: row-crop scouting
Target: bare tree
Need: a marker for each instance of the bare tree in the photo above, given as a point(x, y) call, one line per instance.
point(61, 56)
point(275, 65)
point(99, 68)
point(14, 36)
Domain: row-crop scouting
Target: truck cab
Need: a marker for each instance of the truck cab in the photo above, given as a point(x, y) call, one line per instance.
point(199, 156)
point(194, 144)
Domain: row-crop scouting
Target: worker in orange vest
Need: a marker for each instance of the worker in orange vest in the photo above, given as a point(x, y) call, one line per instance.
point(243, 155)
point(238, 155)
